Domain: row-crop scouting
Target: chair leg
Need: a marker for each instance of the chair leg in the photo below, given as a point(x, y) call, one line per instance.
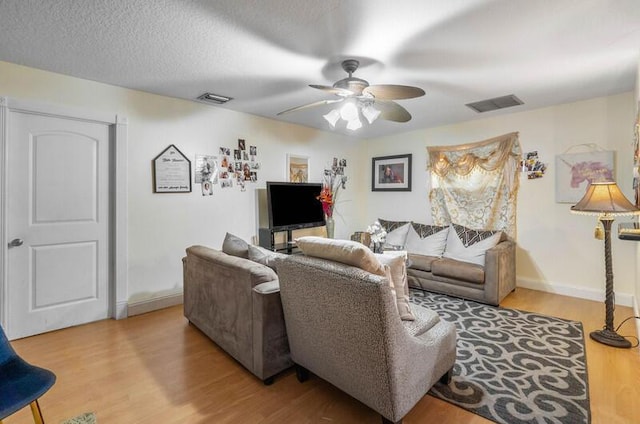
point(37, 414)
point(446, 377)
point(267, 382)
point(302, 373)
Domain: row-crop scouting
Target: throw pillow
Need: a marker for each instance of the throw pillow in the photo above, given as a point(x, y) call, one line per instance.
point(264, 256)
point(396, 232)
point(398, 282)
point(467, 245)
point(235, 246)
point(428, 240)
point(343, 251)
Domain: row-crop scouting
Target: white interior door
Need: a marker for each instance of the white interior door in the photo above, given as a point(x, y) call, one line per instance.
point(58, 223)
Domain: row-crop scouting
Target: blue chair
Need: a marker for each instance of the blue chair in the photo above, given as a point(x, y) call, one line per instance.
point(21, 384)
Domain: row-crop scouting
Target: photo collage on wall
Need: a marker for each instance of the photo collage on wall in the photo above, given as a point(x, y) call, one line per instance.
point(531, 164)
point(239, 165)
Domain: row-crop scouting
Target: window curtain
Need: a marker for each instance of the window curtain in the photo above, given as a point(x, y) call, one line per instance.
point(476, 184)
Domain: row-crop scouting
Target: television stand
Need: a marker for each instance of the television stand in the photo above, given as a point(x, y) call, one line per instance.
point(267, 236)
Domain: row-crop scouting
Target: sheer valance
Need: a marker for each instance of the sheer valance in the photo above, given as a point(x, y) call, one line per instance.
point(476, 184)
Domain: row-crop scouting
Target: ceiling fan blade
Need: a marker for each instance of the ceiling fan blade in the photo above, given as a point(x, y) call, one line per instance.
point(314, 104)
point(392, 111)
point(393, 92)
point(333, 90)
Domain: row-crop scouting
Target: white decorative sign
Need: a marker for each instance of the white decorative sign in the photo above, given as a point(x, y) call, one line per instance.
point(171, 172)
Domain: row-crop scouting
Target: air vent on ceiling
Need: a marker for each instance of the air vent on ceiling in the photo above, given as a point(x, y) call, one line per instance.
point(495, 103)
point(213, 98)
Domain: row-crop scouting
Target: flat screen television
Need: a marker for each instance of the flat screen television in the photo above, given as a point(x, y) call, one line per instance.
point(294, 205)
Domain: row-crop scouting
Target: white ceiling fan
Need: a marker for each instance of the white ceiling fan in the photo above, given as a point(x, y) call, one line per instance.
point(356, 96)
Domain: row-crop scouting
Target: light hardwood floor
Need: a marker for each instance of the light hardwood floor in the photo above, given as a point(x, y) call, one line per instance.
point(156, 368)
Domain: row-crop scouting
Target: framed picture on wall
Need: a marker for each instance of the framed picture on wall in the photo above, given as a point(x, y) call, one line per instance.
point(391, 173)
point(575, 171)
point(297, 168)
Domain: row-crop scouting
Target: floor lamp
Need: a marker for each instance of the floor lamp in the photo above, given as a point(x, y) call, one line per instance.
point(605, 200)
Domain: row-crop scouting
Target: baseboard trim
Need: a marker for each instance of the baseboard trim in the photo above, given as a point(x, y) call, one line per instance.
point(149, 305)
point(622, 299)
point(121, 310)
point(636, 312)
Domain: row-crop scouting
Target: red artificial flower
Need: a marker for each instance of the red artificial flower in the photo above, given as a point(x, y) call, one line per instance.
point(326, 198)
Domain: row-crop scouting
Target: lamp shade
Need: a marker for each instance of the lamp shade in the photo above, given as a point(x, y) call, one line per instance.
point(604, 198)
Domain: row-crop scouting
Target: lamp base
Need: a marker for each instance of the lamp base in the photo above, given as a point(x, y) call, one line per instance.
point(610, 338)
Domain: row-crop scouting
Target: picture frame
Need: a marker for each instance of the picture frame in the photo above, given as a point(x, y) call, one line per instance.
point(171, 172)
point(297, 168)
point(575, 171)
point(391, 173)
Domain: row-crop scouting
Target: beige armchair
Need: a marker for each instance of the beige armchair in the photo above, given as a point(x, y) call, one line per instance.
point(343, 326)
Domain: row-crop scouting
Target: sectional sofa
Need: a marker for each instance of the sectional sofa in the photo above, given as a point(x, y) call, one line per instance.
point(455, 260)
point(233, 295)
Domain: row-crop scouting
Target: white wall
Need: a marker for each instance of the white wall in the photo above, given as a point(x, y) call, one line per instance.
point(161, 226)
point(556, 250)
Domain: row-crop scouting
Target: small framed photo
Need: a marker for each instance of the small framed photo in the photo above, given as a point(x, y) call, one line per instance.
point(298, 168)
point(391, 173)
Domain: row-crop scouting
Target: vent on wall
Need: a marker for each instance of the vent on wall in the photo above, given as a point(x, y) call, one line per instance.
point(495, 103)
point(216, 99)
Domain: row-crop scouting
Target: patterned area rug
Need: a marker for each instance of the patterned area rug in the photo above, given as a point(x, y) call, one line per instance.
point(87, 418)
point(513, 366)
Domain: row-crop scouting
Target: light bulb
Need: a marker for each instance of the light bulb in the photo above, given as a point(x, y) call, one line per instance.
point(349, 112)
point(332, 117)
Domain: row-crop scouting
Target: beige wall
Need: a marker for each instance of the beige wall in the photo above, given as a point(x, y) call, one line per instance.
point(557, 251)
point(161, 226)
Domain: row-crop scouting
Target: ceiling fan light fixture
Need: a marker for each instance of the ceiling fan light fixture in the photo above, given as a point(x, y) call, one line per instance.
point(371, 113)
point(357, 95)
point(354, 124)
point(332, 117)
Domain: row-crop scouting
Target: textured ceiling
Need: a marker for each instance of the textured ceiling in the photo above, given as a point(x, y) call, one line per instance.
point(264, 53)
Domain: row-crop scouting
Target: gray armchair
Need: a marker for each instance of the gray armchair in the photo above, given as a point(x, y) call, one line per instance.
point(343, 326)
point(236, 303)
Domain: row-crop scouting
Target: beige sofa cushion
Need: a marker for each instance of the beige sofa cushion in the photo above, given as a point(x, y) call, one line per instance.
point(421, 262)
point(428, 240)
point(343, 251)
point(398, 281)
point(264, 256)
point(235, 246)
point(467, 245)
point(458, 270)
point(396, 232)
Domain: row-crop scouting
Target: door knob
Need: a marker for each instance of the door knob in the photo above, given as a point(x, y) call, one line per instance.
point(16, 242)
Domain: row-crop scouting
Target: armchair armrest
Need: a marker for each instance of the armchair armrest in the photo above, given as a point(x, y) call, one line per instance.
point(270, 344)
point(500, 271)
